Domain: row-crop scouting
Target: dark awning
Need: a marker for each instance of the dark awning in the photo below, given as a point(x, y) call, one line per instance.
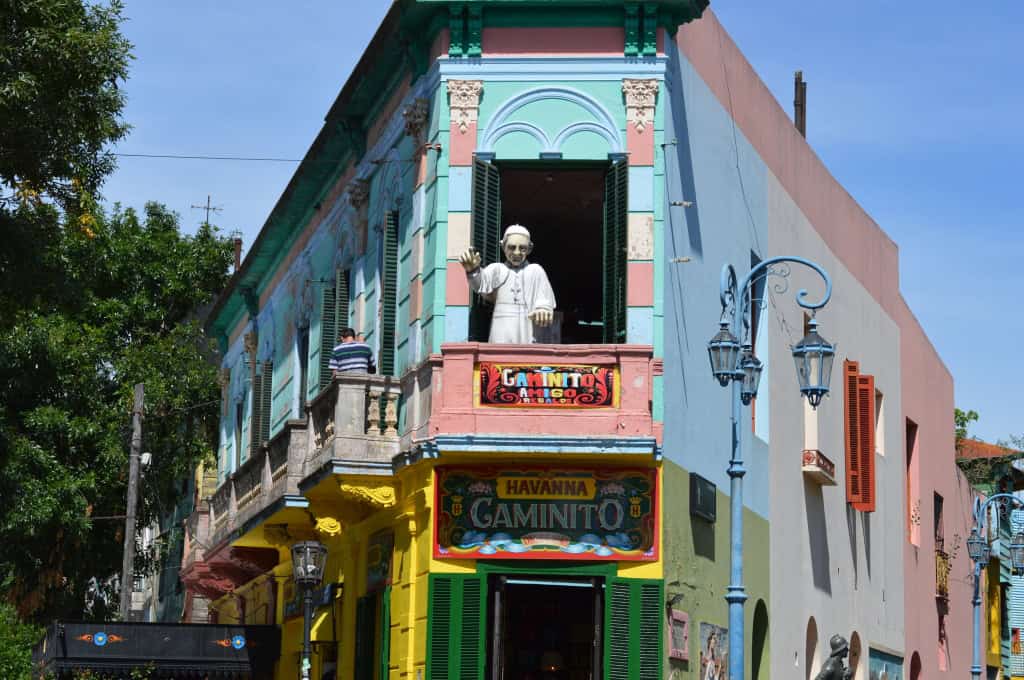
point(171, 650)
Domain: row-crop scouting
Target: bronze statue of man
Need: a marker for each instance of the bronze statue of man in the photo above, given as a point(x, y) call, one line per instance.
point(834, 668)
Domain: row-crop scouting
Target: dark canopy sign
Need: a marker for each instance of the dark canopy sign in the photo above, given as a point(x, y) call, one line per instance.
point(546, 513)
point(527, 386)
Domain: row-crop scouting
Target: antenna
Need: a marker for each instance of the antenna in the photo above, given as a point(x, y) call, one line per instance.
point(208, 208)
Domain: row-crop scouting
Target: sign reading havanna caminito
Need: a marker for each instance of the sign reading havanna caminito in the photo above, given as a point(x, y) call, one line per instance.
point(527, 386)
point(546, 513)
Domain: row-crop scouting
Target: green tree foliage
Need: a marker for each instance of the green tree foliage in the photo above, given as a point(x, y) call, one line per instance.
point(16, 641)
point(109, 307)
point(60, 61)
point(961, 421)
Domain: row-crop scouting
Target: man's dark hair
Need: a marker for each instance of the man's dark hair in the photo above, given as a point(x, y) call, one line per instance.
point(346, 333)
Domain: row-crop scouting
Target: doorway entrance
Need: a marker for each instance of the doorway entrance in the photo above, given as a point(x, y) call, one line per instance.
point(545, 629)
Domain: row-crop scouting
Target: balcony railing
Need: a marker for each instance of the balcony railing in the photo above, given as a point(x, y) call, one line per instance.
point(942, 567)
point(449, 395)
point(354, 419)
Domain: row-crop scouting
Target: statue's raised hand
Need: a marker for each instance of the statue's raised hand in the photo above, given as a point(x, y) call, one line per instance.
point(470, 260)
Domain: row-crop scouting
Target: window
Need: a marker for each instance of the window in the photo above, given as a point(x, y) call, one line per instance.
point(913, 486)
point(879, 424)
point(333, 317)
point(938, 524)
point(577, 214)
point(239, 418)
point(262, 393)
point(859, 435)
point(303, 350)
point(389, 293)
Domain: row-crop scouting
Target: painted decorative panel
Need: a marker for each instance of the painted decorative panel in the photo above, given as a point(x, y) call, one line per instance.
point(546, 513)
point(882, 666)
point(528, 386)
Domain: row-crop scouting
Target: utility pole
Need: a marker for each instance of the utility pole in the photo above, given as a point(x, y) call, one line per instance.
point(128, 565)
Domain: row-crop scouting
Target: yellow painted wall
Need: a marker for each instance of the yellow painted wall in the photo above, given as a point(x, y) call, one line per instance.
point(993, 594)
point(411, 521)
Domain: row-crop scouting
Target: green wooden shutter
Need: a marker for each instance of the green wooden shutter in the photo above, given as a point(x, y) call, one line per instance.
point(366, 634)
point(633, 620)
point(267, 400)
point(455, 633)
point(255, 427)
point(341, 291)
point(328, 333)
point(389, 297)
point(486, 236)
point(385, 632)
point(616, 216)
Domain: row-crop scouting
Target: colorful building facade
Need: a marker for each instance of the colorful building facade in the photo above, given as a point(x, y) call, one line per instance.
point(557, 508)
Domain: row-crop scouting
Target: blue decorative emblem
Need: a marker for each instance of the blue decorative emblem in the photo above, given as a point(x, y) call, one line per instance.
point(99, 639)
point(238, 642)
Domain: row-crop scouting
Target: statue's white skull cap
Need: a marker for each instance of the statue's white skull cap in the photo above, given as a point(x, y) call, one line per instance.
point(516, 229)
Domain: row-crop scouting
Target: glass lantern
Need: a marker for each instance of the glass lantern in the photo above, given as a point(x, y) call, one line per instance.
point(724, 352)
point(308, 561)
point(977, 547)
point(750, 367)
point(813, 356)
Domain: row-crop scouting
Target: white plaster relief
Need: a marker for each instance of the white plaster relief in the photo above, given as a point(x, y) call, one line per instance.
point(641, 95)
point(464, 102)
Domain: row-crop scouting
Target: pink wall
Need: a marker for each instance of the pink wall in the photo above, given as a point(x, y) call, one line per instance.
point(578, 42)
point(872, 257)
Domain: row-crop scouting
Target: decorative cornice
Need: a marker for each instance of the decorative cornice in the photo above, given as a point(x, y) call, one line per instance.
point(641, 96)
point(415, 116)
point(464, 102)
point(377, 494)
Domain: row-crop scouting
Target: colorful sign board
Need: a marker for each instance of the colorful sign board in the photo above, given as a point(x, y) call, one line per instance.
point(538, 386)
point(546, 513)
point(882, 666)
point(714, 652)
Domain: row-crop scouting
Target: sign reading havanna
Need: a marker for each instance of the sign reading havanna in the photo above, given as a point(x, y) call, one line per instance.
point(546, 513)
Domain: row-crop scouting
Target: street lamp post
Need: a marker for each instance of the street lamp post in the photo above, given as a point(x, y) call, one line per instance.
point(979, 551)
point(308, 559)
point(733, 360)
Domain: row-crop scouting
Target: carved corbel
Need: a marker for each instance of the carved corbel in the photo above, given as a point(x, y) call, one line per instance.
point(328, 527)
point(464, 102)
point(377, 494)
point(641, 95)
point(415, 115)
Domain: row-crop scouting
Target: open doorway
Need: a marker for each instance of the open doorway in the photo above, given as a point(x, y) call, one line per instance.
point(545, 629)
point(577, 216)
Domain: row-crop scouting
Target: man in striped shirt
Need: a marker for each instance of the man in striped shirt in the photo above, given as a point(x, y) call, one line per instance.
point(352, 355)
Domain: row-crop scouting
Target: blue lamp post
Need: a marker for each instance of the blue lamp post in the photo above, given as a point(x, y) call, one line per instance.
point(979, 550)
point(733, 361)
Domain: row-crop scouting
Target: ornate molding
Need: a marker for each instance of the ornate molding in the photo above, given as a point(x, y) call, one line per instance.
point(641, 95)
point(328, 527)
point(415, 116)
point(252, 346)
point(464, 102)
point(358, 192)
point(377, 494)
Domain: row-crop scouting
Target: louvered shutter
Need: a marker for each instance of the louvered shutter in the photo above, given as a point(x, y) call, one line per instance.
point(366, 633)
point(866, 440)
point(328, 334)
point(455, 637)
point(389, 297)
point(634, 616)
point(255, 427)
point(851, 422)
point(385, 632)
point(341, 293)
point(486, 237)
point(616, 216)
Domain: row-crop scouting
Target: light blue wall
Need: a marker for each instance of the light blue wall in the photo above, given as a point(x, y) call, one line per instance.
point(709, 163)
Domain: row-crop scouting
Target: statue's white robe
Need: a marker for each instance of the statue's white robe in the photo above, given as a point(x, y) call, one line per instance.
point(517, 292)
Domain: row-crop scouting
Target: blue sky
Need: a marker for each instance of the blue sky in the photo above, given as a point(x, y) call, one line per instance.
point(915, 107)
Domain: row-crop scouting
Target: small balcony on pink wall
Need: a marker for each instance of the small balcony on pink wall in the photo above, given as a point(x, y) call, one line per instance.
point(568, 392)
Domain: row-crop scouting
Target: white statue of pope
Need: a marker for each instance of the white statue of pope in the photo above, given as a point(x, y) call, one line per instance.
point(522, 295)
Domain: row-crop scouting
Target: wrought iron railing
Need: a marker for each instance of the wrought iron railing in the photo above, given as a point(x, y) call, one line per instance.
point(942, 567)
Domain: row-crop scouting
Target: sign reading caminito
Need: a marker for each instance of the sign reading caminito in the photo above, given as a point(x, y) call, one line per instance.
point(527, 386)
point(546, 513)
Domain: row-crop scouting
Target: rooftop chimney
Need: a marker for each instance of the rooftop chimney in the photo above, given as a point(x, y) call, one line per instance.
point(237, 240)
point(800, 103)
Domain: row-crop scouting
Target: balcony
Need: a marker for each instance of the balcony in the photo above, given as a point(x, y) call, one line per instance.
point(589, 391)
point(942, 567)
